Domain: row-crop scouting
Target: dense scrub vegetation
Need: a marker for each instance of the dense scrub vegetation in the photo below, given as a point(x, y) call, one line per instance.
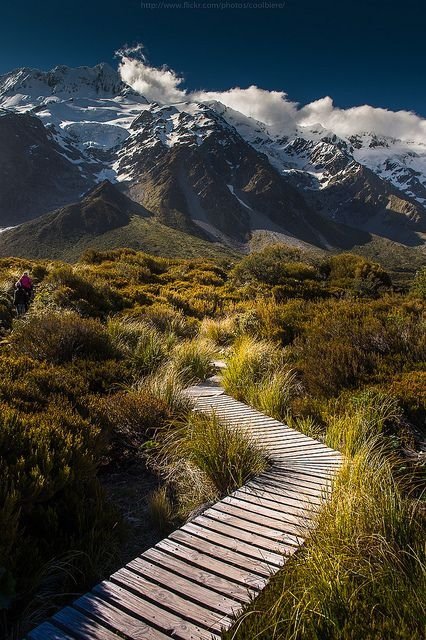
point(91, 381)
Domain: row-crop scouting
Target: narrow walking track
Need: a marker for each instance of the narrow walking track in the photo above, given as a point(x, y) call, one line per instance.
point(191, 584)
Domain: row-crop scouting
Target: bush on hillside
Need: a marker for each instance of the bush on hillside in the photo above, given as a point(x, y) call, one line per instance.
point(59, 337)
point(128, 419)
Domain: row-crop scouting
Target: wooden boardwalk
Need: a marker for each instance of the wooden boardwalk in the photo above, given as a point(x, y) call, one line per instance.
point(191, 584)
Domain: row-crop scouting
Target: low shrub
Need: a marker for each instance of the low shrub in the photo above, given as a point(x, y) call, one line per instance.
point(60, 337)
point(71, 290)
point(128, 419)
point(410, 390)
point(51, 502)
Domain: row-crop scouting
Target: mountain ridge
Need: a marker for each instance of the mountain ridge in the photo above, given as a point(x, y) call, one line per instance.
point(202, 168)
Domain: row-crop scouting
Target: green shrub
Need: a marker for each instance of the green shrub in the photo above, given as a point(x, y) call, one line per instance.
point(270, 266)
point(418, 287)
point(60, 337)
point(410, 389)
point(71, 290)
point(347, 344)
point(128, 419)
point(50, 499)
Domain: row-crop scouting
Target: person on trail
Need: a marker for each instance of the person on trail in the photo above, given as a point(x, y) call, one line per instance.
point(26, 282)
point(20, 299)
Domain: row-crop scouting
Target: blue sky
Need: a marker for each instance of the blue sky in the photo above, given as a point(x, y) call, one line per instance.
point(365, 51)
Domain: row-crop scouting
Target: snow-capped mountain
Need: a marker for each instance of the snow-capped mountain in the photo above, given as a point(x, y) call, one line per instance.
point(203, 167)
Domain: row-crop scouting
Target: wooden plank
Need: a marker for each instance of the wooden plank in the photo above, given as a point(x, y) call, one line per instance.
point(270, 515)
point(277, 500)
point(270, 508)
point(216, 522)
point(282, 491)
point(323, 477)
point(295, 483)
point(324, 456)
point(200, 576)
point(121, 622)
point(170, 623)
point(47, 631)
point(192, 590)
point(170, 600)
point(225, 554)
point(275, 535)
point(304, 479)
point(252, 518)
point(303, 448)
point(232, 543)
point(242, 577)
point(81, 626)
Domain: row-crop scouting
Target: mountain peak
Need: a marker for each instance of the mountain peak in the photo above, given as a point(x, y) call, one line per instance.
point(63, 81)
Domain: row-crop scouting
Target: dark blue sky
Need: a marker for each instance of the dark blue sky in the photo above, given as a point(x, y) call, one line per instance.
point(359, 51)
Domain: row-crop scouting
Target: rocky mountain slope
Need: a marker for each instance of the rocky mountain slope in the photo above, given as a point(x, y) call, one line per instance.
point(202, 168)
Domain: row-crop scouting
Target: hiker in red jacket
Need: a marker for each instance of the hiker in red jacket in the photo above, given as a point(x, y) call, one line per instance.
point(26, 283)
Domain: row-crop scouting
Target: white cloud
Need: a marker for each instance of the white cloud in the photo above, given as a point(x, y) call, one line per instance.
point(156, 84)
point(398, 124)
point(269, 107)
point(163, 85)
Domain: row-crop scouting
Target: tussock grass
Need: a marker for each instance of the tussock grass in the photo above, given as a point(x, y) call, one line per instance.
point(273, 393)
point(366, 417)
point(249, 363)
point(161, 510)
point(204, 459)
point(167, 386)
point(221, 332)
point(141, 344)
point(257, 374)
point(192, 360)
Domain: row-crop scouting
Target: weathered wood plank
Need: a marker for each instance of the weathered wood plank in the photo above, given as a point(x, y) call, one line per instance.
point(81, 626)
point(272, 526)
point(117, 619)
point(211, 580)
point(170, 623)
point(245, 578)
point(147, 589)
point(238, 529)
point(297, 509)
point(265, 513)
point(193, 590)
point(229, 556)
point(232, 543)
